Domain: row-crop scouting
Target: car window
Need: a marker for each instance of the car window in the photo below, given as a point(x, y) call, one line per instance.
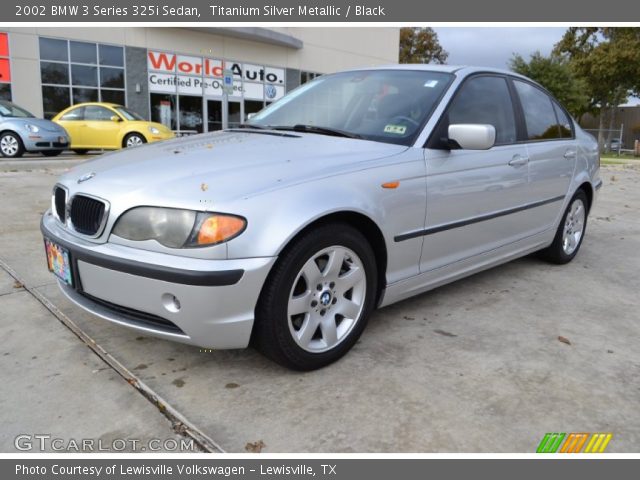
point(8, 109)
point(128, 114)
point(484, 100)
point(100, 114)
point(539, 116)
point(73, 115)
point(564, 121)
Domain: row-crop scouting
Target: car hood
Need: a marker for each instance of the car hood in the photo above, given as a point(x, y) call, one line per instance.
point(46, 125)
point(223, 165)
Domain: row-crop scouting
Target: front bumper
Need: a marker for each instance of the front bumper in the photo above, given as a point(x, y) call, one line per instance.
point(157, 137)
point(138, 288)
point(36, 142)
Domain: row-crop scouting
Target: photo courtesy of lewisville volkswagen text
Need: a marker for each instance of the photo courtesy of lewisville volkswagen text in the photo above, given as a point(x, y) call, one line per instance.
point(244, 248)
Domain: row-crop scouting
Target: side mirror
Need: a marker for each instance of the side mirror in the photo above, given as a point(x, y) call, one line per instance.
point(251, 115)
point(472, 136)
point(115, 118)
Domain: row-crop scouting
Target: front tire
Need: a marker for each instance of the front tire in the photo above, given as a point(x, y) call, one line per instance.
point(133, 140)
point(570, 232)
point(80, 151)
point(11, 145)
point(317, 300)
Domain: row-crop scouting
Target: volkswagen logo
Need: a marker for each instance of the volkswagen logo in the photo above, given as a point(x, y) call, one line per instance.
point(270, 92)
point(86, 176)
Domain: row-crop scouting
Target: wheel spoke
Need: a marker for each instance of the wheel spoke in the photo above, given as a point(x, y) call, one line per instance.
point(329, 330)
point(350, 279)
point(309, 327)
point(334, 264)
point(299, 304)
point(347, 308)
point(311, 272)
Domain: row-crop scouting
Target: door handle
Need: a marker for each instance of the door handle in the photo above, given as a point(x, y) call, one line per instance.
point(518, 161)
point(570, 154)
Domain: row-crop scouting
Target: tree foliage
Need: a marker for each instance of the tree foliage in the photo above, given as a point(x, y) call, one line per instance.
point(555, 74)
point(421, 45)
point(608, 60)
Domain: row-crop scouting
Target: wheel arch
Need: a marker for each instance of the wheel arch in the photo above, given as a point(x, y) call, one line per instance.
point(131, 132)
point(364, 225)
point(587, 187)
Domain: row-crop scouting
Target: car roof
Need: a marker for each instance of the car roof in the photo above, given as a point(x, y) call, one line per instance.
point(102, 104)
point(460, 70)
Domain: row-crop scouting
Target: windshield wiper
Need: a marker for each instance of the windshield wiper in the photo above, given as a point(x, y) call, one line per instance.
point(315, 129)
point(248, 125)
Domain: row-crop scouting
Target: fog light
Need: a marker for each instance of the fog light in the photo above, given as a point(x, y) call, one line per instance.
point(171, 302)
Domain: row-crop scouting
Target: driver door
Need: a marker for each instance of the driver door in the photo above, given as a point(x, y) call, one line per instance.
point(473, 196)
point(100, 130)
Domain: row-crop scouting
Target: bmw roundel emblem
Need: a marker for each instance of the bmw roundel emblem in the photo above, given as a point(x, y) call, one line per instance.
point(86, 176)
point(270, 91)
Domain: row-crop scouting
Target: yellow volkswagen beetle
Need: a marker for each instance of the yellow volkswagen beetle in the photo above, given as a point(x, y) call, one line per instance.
point(95, 126)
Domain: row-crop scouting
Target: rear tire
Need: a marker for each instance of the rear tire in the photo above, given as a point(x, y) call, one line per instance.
point(51, 153)
point(11, 145)
point(570, 233)
point(317, 299)
point(80, 151)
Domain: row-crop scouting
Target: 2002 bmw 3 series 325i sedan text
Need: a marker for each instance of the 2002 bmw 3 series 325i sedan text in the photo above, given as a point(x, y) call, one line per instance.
point(355, 191)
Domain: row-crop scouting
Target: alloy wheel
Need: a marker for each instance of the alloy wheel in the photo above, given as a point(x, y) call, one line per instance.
point(327, 299)
point(573, 227)
point(9, 145)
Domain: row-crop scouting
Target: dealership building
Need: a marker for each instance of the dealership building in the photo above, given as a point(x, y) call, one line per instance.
point(175, 75)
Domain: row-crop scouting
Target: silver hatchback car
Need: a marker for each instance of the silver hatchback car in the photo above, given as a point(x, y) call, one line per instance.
point(355, 191)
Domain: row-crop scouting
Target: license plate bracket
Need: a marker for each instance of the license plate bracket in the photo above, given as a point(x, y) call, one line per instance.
point(59, 261)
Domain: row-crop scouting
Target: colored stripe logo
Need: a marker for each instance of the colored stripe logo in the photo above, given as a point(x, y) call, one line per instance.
point(574, 443)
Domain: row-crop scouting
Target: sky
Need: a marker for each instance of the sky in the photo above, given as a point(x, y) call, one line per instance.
point(494, 46)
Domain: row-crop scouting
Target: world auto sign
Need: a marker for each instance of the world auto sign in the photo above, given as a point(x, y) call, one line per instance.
point(173, 73)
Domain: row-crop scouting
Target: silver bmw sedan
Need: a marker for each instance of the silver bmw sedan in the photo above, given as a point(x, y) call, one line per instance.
point(355, 191)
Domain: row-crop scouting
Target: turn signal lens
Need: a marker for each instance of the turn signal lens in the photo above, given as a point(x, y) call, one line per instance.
point(220, 228)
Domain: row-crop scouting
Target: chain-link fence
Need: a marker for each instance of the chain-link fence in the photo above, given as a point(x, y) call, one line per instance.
point(612, 140)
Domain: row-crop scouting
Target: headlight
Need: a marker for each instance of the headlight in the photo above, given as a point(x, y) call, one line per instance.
point(32, 128)
point(154, 130)
point(176, 228)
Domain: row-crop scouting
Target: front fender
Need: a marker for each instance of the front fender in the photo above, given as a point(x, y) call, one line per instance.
point(276, 217)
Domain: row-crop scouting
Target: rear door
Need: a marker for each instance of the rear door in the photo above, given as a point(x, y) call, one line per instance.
point(472, 194)
point(552, 152)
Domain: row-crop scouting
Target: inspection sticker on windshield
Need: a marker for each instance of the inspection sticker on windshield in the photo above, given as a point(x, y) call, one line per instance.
point(431, 83)
point(397, 129)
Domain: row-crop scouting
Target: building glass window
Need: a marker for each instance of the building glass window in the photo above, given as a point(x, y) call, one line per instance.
point(74, 72)
point(82, 52)
point(308, 76)
point(113, 96)
point(54, 100)
point(190, 113)
point(252, 106)
point(5, 68)
point(163, 109)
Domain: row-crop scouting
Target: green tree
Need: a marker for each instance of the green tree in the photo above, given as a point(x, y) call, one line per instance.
point(608, 60)
point(421, 45)
point(555, 74)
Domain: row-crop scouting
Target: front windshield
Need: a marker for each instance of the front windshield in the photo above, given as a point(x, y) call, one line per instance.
point(128, 114)
point(8, 109)
point(382, 105)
